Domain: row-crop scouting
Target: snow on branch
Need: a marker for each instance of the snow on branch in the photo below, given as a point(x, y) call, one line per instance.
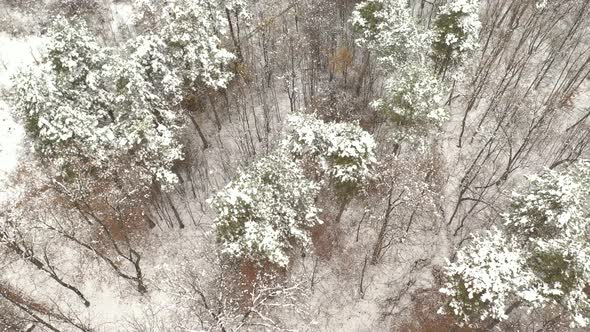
point(91, 111)
point(344, 151)
point(540, 259)
point(266, 211)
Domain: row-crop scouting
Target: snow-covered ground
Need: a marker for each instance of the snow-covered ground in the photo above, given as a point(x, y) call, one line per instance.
point(344, 294)
point(10, 139)
point(15, 54)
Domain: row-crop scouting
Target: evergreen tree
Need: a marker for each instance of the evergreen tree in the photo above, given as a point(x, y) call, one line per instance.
point(540, 259)
point(344, 152)
point(456, 34)
point(93, 114)
point(266, 211)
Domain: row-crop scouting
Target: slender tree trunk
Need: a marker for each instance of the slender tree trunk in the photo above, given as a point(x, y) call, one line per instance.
point(362, 289)
point(341, 209)
point(233, 36)
point(199, 131)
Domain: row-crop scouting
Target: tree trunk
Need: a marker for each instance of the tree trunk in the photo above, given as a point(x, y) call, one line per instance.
point(203, 139)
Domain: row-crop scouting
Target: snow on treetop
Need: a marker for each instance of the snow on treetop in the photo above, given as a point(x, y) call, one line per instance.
point(540, 258)
point(343, 150)
point(266, 210)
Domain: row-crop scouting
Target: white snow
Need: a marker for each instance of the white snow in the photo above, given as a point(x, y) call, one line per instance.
point(14, 55)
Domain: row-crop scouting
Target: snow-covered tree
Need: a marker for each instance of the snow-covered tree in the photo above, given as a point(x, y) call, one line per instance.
point(64, 102)
point(413, 103)
point(456, 35)
point(190, 37)
point(146, 103)
point(387, 28)
point(192, 32)
point(486, 278)
point(93, 113)
point(343, 151)
point(148, 54)
point(540, 259)
point(266, 211)
point(413, 96)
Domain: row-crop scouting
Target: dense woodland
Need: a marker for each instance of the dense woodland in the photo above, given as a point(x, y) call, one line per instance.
point(295, 165)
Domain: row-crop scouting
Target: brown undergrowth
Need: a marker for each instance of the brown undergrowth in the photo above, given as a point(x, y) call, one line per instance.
point(15, 296)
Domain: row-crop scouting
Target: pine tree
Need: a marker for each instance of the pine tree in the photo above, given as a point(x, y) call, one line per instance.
point(412, 102)
point(343, 152)
point(192, 32)
point(413, 96)
point(266, 211)
point(95, 115)
point(540, 259)
point(387, 28)
point(456, 35)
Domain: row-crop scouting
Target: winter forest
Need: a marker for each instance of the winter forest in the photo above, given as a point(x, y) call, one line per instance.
point(294, 165)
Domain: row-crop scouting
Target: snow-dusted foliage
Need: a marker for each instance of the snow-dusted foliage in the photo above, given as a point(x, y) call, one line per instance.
point(146, 99)
point(89, 111)
point(456, 34)
point(191, 31)
point(266, 211)
point(148, 55)
point(49, 96)
point(412, 102)
point(542, 4)
point(486, 278)
point(413, 96)
point(541, 259)
point(388, 28)
point(553, 205)
point(344, 151)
